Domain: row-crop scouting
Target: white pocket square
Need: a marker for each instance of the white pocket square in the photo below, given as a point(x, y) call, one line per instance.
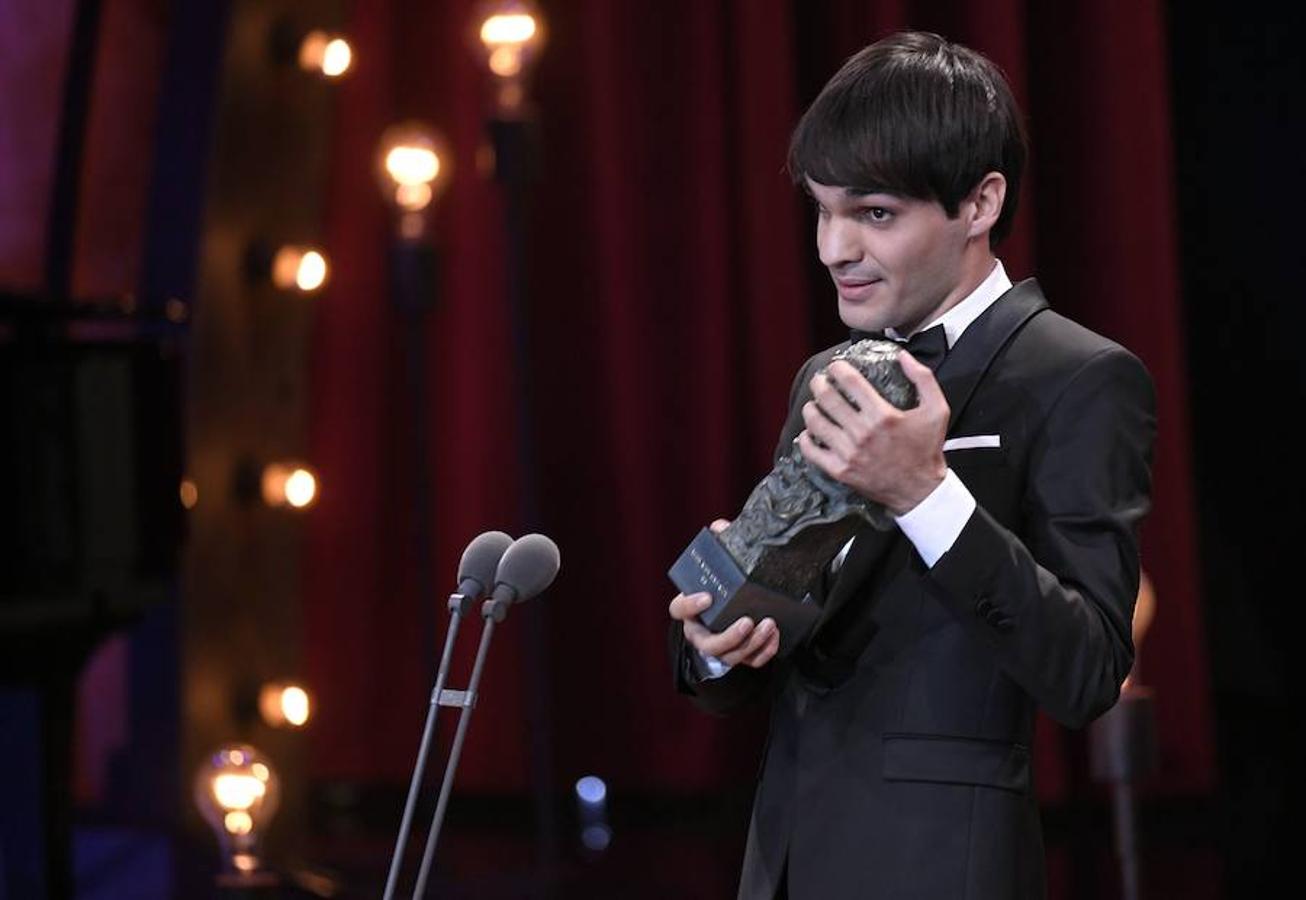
point(975, 440)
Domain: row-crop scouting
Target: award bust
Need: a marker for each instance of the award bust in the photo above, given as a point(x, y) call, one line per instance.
point(769, 560)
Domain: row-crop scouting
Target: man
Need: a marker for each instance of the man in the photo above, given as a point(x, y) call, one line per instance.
point(898, 761)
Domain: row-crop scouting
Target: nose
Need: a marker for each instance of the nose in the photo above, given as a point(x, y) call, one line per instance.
point(836, 242)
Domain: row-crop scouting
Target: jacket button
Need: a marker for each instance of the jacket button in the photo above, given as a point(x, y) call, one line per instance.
point(984, 607)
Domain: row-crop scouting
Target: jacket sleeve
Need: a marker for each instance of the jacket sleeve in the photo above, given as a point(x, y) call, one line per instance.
point(742, 684)
point(1057, 607)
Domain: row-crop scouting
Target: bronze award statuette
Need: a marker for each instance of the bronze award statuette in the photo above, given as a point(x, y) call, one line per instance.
point(770, 560)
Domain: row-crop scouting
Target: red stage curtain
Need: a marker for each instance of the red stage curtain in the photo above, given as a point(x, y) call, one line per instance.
point(669, 307)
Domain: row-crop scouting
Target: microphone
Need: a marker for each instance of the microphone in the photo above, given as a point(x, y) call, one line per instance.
point(480, 561)
point(528, 566)
point(476, 572)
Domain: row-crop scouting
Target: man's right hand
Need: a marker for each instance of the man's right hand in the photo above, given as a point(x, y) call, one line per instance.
point(743, 643)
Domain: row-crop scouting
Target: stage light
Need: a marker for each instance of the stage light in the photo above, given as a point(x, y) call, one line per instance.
point(325, 53)
point(288, 484)
point(237, 792)
point(510, 35)
point(412, 165)
point(592, 813)
point(591, 790)
point(299, 268)
point(189, 493)
point(284, 705)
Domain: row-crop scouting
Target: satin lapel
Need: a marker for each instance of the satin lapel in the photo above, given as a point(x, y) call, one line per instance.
point(962, 370)
point(983, 341)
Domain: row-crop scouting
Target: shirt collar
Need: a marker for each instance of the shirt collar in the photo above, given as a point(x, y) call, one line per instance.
point(958, 318)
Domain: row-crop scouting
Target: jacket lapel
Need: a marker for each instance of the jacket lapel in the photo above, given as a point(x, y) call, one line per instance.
point(983, 342)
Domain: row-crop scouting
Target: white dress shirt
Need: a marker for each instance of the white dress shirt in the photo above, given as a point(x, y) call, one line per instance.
point(933, 524)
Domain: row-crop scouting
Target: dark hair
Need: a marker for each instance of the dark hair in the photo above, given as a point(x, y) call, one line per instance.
point(918, 116)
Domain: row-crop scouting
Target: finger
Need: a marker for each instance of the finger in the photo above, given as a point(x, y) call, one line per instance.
point(719, 525)
point(825, 460)
point(854, 384)
point(684, 607)
point(719, 645)
point(695, 632)
point(766, 654)
point(757, 640)
point(831, 436)
point(832, 398)
point(919, 374)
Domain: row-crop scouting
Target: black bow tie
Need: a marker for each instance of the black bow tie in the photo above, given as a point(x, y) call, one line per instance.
point(928, 346)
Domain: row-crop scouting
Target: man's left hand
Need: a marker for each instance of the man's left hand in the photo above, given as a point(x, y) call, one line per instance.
point(892, 456)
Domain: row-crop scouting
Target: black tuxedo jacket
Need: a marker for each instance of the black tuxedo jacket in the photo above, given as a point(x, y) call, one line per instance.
point(898, 759)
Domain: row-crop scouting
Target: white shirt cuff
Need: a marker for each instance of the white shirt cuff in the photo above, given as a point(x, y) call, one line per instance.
point(709, 667)
point(933, 524)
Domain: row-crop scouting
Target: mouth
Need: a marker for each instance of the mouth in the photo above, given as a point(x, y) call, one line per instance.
point(856, 288)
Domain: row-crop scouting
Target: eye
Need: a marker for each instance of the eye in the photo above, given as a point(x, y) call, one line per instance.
point(874, 214)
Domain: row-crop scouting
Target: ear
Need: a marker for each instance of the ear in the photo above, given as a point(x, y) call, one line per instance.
point(986, 202)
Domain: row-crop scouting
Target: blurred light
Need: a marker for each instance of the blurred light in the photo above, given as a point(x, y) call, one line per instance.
point(325, 53)
point(283, 704)
point(591, 790)
point(287, 484)
point(236, 802)
point(596, 837)
point(299, 267)
point(509, 28)
point(175, 310)
point(413, 166)
point(237, 791)
point(505, 61)
point(189, 493)
point(510, 37)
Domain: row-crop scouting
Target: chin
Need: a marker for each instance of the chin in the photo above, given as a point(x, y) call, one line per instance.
point(860, 318)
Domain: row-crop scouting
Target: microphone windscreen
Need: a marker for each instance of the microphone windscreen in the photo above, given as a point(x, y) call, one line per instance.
point(481, 559)
point(529, 565)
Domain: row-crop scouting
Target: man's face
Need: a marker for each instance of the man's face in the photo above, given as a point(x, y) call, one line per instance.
point(896, 262)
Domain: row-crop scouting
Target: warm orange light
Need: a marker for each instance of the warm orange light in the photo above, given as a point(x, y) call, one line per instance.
point(189, 492)
point(301, 268)
point(511, 34)
point(283, 705)
point(284, 484)
point(237, 792)
point(328, 54)
point(413, 166)
point(238, 822)
point(508, 28)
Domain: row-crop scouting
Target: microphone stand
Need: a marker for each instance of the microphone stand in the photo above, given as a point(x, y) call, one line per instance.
point(459, 604)
point(493, 611)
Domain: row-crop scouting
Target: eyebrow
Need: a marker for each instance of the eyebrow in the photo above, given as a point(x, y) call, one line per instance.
point(858, 193)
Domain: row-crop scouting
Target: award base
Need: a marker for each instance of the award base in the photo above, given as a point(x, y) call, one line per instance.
point(707, 567)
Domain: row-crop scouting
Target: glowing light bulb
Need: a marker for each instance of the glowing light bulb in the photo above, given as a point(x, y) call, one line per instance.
point(236, 802)
point(302, 268)
point(284, 704)
point(514, 28)
point(509, 38)
point(327, 54)
point(288, 484)
point(413, 166)
point(189, 493)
